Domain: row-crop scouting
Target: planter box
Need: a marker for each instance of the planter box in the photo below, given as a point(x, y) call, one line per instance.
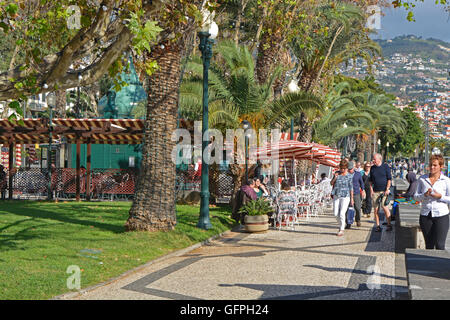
point(256, 223)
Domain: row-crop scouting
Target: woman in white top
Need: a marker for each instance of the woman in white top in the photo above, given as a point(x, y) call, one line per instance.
point(434, 193)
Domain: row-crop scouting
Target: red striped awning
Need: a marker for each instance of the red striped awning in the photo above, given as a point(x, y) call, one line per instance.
point(292, 149)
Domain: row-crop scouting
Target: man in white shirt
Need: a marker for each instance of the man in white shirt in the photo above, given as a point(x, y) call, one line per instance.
point(433, 191)
point(358, 167)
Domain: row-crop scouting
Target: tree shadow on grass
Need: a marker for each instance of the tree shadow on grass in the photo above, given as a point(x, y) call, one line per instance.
point(65, 218)
point(11, 241)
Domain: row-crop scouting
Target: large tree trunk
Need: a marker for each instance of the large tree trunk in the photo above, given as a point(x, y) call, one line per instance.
point(61, 103)
point(153, 207)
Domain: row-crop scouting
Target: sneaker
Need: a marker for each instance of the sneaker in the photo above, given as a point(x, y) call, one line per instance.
point(340, 233)
point(358, 224)
point(378, 229)
point(389, 228)
point(348, 226)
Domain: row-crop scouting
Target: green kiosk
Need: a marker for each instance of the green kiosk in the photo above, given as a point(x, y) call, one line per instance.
point(116, 105)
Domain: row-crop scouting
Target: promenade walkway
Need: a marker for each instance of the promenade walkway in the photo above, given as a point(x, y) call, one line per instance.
point(310, 262)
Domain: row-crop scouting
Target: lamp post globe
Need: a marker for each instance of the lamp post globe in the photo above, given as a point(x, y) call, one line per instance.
point(207, 34)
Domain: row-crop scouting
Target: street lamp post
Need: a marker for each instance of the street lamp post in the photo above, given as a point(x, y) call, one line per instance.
point(77, 108)
point(379, 145)
point(207, 35)
point(293, 88)
point(246, 125)
point(51, 102)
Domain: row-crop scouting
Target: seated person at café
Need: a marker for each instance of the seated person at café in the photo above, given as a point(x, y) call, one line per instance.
point(287, 200)
point(245, 194)
point(260, 189)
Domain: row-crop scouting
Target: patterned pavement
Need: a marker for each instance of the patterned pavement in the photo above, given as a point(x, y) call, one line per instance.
point(310, 262)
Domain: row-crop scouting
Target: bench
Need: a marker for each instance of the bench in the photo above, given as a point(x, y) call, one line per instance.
point(428, 274)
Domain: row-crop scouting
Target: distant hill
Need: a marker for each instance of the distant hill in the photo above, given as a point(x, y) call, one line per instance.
point(425, 48)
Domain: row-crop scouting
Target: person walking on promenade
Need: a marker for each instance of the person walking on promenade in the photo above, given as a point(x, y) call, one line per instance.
point(342, 195)
point(358, 192)
point(380, 183)
point(367, 203)
point(358, 166)
point(434, 193)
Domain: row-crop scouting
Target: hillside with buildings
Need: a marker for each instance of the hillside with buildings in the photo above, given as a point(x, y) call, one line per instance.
point(414, 70)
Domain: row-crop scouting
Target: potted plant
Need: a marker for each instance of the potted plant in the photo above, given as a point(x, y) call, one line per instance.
point(256, 217)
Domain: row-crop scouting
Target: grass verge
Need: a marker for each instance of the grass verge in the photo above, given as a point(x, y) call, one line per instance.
point(40, 240)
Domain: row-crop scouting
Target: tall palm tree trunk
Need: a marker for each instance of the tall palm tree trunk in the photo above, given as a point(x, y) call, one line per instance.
point(153, 207)
point(268, 54)
point(360, 148)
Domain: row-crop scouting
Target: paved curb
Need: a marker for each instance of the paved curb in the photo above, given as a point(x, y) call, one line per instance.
point(71, 295)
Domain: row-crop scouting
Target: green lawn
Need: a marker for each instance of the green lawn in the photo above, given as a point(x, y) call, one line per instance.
point(39, 240)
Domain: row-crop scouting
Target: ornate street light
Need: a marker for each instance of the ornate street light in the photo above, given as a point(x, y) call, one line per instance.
point(51, 102)
point(246, 126)
point(293, 88)
point(208, 33)
point(435, 151)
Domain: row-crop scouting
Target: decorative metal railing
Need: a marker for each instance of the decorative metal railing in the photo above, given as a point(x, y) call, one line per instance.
point(33, 183)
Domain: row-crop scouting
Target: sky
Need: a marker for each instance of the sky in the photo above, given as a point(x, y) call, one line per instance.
point(431, 22)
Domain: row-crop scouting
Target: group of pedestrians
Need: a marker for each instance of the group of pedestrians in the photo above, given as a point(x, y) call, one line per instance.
point(360, 190)
point(356, 189)
point(372, 187)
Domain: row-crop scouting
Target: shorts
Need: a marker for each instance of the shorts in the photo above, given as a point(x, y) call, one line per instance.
point(379, 199)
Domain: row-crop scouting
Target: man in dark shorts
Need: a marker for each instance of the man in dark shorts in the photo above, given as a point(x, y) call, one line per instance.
point(380, 182)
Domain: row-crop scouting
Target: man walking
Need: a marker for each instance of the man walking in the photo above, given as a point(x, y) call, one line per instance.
point(358, 192)
point(380, 182)
point(358, 167)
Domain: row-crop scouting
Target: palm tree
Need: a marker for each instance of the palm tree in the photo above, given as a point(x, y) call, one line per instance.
point(343, 37)
point(365, 114)
point(235, 95)
point(153, 207)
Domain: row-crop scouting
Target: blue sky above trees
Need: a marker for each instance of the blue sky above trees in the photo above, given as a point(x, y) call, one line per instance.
point(431, 22)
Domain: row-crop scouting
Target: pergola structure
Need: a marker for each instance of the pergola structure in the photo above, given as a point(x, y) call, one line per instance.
point(76, 131)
